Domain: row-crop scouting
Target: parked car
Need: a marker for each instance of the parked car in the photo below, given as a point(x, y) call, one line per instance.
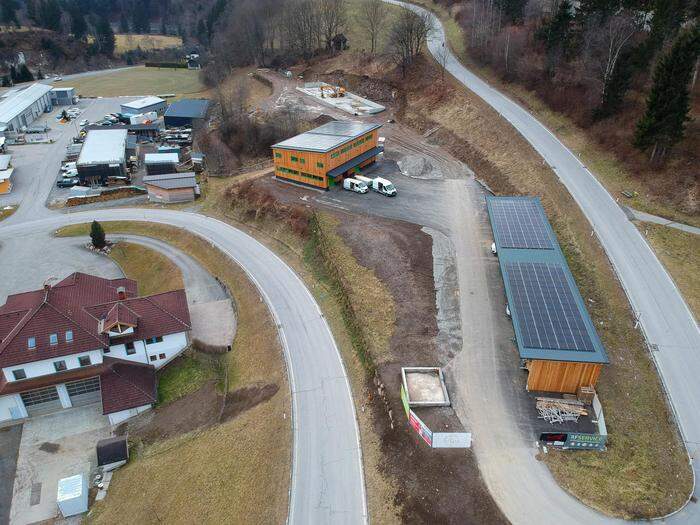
point(69, 174)
point(67, 183)
point(84, 122)
point(68, 166)
point(57, 78)
point(355, 185)
point(380, 185)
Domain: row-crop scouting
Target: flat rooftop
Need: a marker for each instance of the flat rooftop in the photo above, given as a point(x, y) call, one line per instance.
point(188, 108)
point(16, 103)
point(549, 316)
point(161, 158)
point(103, 147)
point(143, 102)
point(327, 137)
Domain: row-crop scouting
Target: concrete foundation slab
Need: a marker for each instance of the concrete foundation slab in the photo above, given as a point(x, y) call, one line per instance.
point(349, 102)
point(425, 386)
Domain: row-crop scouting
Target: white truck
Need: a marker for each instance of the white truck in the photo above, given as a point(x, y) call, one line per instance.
point(380, 185)
point(355, 185)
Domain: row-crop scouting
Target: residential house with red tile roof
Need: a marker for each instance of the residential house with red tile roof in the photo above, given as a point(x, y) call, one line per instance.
point(86, 340)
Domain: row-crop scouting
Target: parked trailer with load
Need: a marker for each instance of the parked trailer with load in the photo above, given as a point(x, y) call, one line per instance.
point(355, 185)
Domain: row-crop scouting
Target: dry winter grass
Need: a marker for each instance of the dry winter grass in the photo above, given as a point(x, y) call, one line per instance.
point(129, 42)
point(140, 81)
point(154, 272)
point(236, 470)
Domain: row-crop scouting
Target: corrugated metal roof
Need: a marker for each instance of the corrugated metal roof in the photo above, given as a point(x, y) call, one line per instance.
point(161, 158)
point(188, 108)
point(18, 102)
point(143, 102)
point(170, 181)
point(327, 137)
point(542, 294)
point(103, 147)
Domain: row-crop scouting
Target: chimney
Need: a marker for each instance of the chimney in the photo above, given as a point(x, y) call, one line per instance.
point(121, 293)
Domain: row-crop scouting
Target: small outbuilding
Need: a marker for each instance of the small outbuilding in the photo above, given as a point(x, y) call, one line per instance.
point(102, 156)
point(112, 453)
point(63, 96)
point(158, 163)
point(144, 105)
point(6, 170)
point(72, 495)
point(171, 187)
point(186, 112)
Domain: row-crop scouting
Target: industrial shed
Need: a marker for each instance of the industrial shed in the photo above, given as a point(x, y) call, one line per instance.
point(171, 187)
point(63, 96)
point(158, 163)
point(103, 155)
point(23, 107)
point(186, 112)
point(143, 132)
point(556, 339)
point(324, 156)
point(144, 105)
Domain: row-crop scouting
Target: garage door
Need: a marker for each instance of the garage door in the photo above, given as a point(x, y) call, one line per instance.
point(84, 392)
point(42, 401)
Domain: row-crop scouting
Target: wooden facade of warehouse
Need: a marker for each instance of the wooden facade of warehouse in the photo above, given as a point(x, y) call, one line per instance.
point(555, 336)
point(324, 156)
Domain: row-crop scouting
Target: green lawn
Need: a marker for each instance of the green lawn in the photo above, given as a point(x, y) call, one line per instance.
point(139, 81)
point(183, 377)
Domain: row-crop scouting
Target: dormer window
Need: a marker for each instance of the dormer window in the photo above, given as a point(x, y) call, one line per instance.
point(69, 336)
point(53, 339)
point(31, 343)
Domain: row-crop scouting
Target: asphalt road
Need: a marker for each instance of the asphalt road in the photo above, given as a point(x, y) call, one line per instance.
point(327, 483)
point(668, 324)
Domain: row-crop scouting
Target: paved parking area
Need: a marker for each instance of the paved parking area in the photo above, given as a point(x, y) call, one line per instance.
point(37, 165)
point(53, 447)
point(47, 257)
point(9, 448)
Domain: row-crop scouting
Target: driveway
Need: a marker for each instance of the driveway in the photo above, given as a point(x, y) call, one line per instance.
point(211, 309)
point(9, 449)
point(53, 447)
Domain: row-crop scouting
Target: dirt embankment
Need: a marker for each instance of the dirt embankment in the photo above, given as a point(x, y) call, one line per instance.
point(433, 486)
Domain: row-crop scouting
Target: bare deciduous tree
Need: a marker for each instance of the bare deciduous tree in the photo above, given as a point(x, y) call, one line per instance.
point(371, 18)
point(332, 18)
point(408, 36)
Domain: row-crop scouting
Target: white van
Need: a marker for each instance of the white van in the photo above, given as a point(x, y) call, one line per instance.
point(355, 185)
point(383, 186)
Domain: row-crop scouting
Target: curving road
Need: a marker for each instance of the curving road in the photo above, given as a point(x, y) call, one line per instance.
point(668, 324)
point(327, 484)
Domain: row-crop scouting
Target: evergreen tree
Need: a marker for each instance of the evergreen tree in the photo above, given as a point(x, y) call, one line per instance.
point(78, 26)
point(512, 10)
point(21, 74)
point(557, 34)
point(104, 37)
point(123, 24)
point(97, 235)
point(31, 11)
point(663, 123)
point(50, 15)
point(8, 11)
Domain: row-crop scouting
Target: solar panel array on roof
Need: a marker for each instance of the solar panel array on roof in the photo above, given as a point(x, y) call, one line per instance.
point(549, 316)
point(520, 224)
point(546, 308)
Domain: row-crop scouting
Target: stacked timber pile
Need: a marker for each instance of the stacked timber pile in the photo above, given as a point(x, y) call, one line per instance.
point(554, 410)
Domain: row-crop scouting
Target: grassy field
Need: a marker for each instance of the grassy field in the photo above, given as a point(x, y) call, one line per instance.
point(680, 253)
point(128, 42)
point(239, 468)
point(154, 272)
point(140, 81)
point(183, 377)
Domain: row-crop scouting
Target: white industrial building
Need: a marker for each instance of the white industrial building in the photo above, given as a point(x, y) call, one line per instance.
point(144, 105)
point(20, 109)
point(63, 96)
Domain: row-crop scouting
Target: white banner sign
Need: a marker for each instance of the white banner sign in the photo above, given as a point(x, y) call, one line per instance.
point(452, 440)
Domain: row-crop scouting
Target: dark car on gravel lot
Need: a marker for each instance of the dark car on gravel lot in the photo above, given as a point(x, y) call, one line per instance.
point(67, 183)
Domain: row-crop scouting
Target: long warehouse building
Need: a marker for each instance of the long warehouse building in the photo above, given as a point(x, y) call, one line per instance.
point(22, 108)
point(324, 156)
point(102, 156)
point(556, 339)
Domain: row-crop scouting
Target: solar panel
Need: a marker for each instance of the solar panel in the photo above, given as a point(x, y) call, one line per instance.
point(545, 307)
point(520, 224)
